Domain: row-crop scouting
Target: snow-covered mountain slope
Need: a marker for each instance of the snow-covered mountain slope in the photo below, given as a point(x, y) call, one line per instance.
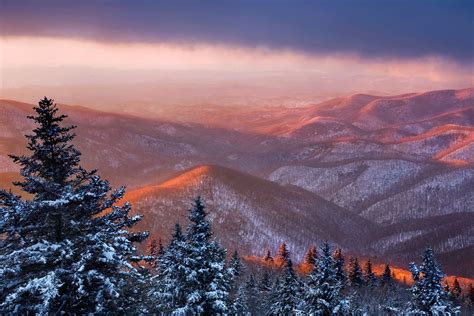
point(387, 191)
point(249, 213)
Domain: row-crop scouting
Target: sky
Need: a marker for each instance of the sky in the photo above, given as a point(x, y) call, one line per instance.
point(174, 52)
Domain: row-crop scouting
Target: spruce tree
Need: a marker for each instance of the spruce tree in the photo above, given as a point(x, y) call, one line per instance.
point(309, 260)
point(66, 249)
point(283, 256)
point(207, 283)
point(369, 275)
point(339, 264)
point(428, 295)
point(286, 299)
point(268, 257)
point(470, 295)
point(322, 291)
point(235, 266)
point(355, 273)
point(265, 284)
point(170, 283)
point(456, 292)
point(387, 276)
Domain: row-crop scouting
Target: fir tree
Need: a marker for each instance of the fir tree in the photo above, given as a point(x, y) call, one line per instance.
point(286, 299)
point(170, 288)
point(155, 249)
point(268, 257)
point(428, 295)
point(235, 266)
point(309, 260)
point(456, 292)
point(240, 305)
point(355, 273)
point(369, 275)
point(470, 295)
point(322, 292)
point(66, 249)
point(283, 256)
point(339, 263)
point(265, 284)
point(387, 276)
point(207, 283)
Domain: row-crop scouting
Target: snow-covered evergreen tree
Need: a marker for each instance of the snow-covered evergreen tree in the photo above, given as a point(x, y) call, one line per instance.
point(235, 266)
point(194, 278)
point(170, 289)
point(66, 248)
point(286, 299)
point(339, 265)
point(355, 272)
point(240, 304)
point(428, 295)
point(322, 291)
point(369, 275)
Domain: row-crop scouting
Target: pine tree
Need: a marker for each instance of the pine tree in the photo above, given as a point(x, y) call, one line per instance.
point(155, 249)
point(283, 256)
point(355, 273)
point(240, 304)
point(286, 298)
point(66, 249)
point(170, 284)
point(456, 292)
point(387, 276)
point(309, 260)
point(265, 284)
point(470, 294)
point(268, 257)
point(428, 295)
point(207, 282)
point(235, 266)
point(322, 291)
point(369, 275)
point(339, 263)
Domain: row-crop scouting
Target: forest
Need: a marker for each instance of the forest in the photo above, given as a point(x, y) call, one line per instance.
point(68, 246)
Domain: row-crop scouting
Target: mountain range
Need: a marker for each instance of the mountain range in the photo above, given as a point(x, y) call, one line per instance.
point(379, 176)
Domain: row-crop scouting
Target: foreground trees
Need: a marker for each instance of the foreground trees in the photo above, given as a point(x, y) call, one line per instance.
point(192, 274)
point(66, 249)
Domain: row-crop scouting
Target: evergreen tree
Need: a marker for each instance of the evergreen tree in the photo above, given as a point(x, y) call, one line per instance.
point(428, 296)
point(235, 266)
point(355, 273)
point(265, 284)
point(339, 263)
point(322, 291)
point(268, 257)
point(283, 256)
point(369, 275)
point(309, 260)
point(387, 276)
point(240, 305)
point(286, 299)
point(456, 292)
point(66, 249)
point(470, 295)
point(207, 283)
point(155, 249)
point(170, 288)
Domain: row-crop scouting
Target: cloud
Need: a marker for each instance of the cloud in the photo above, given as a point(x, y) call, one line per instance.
point(370, 29)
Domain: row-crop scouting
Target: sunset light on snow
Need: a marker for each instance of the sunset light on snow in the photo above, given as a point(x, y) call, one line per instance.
point(237, 157)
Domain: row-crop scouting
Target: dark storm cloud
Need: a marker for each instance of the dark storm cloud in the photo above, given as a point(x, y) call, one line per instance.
point(368, 28)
